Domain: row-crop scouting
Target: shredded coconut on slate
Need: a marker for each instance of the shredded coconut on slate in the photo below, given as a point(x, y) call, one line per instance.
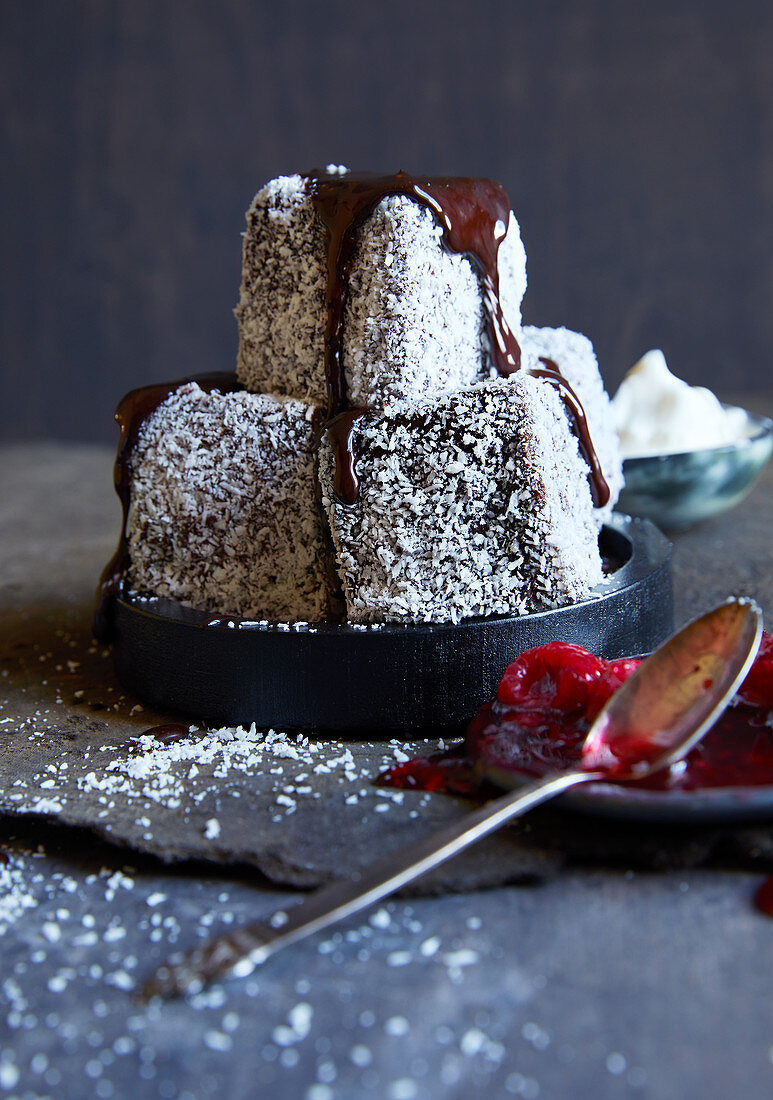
point(159, 772)
point(182, 773)
point(14, 896)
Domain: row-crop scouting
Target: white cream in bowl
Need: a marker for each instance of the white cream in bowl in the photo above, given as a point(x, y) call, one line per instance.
point(656, 413)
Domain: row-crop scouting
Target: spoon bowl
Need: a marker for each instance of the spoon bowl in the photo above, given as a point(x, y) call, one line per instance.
point(675, 696)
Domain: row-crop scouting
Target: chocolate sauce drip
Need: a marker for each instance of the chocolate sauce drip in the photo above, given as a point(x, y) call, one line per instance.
point(598, 484)
point(474, 215)
point(132, 412)
point(763, 898)
point(341, 431)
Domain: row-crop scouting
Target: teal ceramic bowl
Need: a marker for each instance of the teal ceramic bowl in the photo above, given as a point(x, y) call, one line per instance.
point(678, 490)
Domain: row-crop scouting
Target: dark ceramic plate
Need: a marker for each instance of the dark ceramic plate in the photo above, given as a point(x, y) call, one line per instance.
point(383, 679)
point(710, 804)
point(687, 807)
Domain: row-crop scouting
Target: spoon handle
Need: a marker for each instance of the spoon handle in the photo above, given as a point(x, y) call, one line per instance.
point(248, 947)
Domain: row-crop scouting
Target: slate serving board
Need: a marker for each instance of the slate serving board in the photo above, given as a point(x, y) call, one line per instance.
point(297, 809)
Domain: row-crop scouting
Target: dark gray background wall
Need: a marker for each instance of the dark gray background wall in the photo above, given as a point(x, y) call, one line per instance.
point(635, 139)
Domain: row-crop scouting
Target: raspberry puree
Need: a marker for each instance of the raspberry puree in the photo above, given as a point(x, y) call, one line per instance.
point(545, 704)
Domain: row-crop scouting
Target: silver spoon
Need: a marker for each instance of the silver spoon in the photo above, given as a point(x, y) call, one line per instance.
point(654, 719)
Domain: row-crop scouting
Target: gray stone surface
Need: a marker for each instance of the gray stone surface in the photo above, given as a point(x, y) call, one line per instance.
point(597, 983)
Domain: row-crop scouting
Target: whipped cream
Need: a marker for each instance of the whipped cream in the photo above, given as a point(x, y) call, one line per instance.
point(655, 413)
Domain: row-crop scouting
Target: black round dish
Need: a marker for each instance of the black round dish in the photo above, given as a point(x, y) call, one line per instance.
point(385, 678)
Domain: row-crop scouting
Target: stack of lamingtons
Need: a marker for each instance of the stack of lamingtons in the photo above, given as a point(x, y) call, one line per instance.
point(396, 444)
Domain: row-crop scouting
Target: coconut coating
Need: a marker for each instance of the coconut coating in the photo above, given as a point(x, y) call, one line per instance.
point(223, 515)
point(414, 323)
point(474, 503)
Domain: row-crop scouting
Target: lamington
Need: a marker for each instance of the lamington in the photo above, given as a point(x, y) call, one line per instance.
point(577, 362)
point(414, 320)
point(395, 444)
point(474, 503)
point(223, 515)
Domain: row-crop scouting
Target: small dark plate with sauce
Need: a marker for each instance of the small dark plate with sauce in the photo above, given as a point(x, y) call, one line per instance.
point(728, 777)
point(388, 678)
point(709, 804)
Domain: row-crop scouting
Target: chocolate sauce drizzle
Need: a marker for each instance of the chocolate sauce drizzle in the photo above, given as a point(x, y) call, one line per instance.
point(598, 483)
point(341, 432)
point(474, 215)
point(132, 412)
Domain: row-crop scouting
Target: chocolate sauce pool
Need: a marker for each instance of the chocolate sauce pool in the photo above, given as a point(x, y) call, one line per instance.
point(474, 215)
